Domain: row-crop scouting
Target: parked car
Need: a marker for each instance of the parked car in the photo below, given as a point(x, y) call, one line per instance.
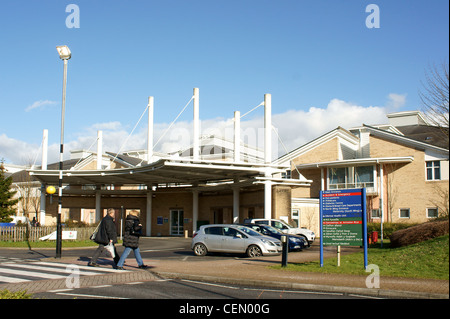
point(295, 242)
point(285, 228)
point(229, 238)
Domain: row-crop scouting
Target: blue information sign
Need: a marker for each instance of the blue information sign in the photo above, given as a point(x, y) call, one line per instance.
point(343, 219)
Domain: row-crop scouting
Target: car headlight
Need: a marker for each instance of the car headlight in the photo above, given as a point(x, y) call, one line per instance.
point(267, 242)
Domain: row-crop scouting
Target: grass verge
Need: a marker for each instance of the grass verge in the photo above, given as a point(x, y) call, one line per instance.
point(428, 259)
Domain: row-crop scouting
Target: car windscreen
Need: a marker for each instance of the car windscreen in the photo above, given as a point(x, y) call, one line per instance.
point(273, 230)
point(249, 231)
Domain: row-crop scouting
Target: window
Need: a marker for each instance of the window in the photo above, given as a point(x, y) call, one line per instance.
point(230, 232)
point(404, 212)
point(376, 213)
point(351, 177)
point(278, 225)
point(337, 177)
point(432, 212)
point(214, 231)
point(296, 217)
point(287, 174)
point(364, 175)
point(433, 170)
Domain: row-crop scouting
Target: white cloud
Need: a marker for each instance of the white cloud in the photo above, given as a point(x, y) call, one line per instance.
point(39, 104)
point(17, 152)
point(396, 101)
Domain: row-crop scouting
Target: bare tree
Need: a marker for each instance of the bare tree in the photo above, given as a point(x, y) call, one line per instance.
point(434, 96)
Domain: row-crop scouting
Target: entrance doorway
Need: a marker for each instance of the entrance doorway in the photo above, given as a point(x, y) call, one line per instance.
point(218, 216)
point(176, 222)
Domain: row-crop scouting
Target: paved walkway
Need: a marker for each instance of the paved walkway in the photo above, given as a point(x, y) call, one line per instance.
point(245, 271)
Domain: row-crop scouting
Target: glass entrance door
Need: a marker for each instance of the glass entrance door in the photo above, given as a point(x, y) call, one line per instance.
point(176, 222)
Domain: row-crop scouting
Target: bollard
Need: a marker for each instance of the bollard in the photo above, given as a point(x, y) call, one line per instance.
point(284, 243)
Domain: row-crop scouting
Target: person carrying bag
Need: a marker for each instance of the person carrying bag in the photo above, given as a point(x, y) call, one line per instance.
point(105, 236)
point(133, 230)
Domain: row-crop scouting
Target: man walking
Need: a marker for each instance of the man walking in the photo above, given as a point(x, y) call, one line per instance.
point(106, 234)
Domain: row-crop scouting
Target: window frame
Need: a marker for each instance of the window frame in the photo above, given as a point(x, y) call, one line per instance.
point(404, 209)
point(347, 177)
point(434, 168)
point(377, 214)
point(432, 208)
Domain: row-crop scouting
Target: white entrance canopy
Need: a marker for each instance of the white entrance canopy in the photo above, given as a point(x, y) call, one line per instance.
point(163, 171)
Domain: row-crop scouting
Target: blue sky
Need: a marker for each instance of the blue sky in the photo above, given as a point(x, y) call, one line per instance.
point(322, 65)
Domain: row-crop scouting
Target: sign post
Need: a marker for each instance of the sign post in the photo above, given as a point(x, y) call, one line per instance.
point(343, 219)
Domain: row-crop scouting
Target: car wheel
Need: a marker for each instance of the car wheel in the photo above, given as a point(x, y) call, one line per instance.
point(254, 251)
point(200, 249)
point(306, 240)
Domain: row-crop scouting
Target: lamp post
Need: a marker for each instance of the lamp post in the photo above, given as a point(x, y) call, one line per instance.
point(65, 55)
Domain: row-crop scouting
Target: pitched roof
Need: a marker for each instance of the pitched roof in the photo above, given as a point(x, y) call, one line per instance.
point(432, 135)
point(406, 140)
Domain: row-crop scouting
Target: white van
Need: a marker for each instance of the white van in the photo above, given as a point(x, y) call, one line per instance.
point(22, 219)
point(285, 228)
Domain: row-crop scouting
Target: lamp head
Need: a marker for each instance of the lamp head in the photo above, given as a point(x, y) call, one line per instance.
point(51, 190)
point(64, 52)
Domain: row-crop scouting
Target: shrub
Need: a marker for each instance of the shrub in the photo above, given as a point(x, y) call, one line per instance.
point(419, 233)
point(6, 294)
point(388, 228)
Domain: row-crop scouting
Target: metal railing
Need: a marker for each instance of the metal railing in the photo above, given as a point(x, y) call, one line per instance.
point(29, 233)
point(370, 186)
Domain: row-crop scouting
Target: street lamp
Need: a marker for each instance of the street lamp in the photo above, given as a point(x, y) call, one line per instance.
point(65, 55)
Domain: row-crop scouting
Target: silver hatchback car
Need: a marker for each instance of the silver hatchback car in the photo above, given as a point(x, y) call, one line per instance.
point(230, 238)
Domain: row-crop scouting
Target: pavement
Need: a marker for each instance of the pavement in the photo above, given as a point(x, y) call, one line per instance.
point(250, 272)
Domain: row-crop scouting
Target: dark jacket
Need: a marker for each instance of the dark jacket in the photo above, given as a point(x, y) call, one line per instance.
point(130, 240)
point(106, 231)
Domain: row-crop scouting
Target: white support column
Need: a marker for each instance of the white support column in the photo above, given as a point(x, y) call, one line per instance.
point(322, 178)
point(150, 129)
point(268, 199)
point(148, 220)
point(236, 203)
point(99, 149)
point(237, 136)
point(194, 210)
point(44, 168)
point(44, 150)
point(268, 154)
point(196, 141)
point(267, 128)
point(98, 205)
point(41, 219)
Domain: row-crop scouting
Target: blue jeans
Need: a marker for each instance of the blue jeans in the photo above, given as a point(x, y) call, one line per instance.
point(125, 254)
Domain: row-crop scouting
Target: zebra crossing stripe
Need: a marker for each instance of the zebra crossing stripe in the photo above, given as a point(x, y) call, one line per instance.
point(99, 269)
point(12, 279)
point(30, 273)
point(13, 272)
point(49, 269)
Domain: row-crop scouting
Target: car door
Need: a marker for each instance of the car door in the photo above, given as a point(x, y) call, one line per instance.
point(279, 226)
point(214, 238)
point(234, 241)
